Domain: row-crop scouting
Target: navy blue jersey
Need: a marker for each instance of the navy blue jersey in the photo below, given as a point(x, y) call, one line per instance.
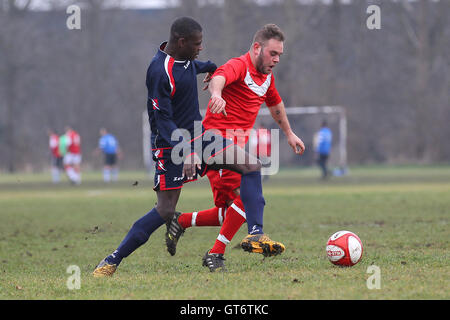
point(172, 96)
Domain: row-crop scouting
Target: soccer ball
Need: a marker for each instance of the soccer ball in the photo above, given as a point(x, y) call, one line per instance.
point(344, 248)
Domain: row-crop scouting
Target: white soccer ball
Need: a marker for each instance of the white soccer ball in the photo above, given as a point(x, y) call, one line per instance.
point(344, 248)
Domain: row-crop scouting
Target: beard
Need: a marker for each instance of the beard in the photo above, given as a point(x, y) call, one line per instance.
point(260, 63)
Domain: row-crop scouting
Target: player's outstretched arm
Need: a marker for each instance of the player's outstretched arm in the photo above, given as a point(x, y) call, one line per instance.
point(217, 103)
point(278, 113)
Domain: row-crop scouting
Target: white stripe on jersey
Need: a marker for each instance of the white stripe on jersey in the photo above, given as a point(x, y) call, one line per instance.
point(259, 90)
point(166, 67)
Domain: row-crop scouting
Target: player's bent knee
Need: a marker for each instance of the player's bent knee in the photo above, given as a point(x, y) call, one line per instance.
point(165, 214)
point(253, 167)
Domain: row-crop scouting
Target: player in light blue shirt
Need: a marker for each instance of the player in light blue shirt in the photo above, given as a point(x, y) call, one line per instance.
point(109, 145)
point(323, 147)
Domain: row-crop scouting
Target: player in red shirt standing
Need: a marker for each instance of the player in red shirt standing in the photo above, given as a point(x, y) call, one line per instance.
point(72, 158)
point(260, 145)
point(56, 157)
point(238, 89)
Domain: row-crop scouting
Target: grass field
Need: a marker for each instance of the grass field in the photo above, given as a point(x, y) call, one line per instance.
point(400, 213)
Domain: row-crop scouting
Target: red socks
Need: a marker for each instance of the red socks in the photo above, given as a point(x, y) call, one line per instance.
point(210, 217)
point(232, 219)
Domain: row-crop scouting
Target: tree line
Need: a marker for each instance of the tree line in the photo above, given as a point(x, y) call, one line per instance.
point(394, 82)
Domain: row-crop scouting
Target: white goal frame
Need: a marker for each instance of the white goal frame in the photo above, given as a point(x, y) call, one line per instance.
point(339, 110)
point(146, 145)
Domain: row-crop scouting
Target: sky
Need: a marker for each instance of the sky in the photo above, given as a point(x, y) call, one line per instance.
point(135, 4)
point(126, 4)
point(143, 3)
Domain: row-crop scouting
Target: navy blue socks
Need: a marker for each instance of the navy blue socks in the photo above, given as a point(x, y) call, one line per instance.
point(137, 236)
point(253, 200)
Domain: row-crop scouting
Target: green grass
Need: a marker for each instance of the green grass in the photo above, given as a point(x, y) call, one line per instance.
point(400, 213)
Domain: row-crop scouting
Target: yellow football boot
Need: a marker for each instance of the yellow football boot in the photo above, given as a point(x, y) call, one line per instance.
point(261, 243)
point(104, 269)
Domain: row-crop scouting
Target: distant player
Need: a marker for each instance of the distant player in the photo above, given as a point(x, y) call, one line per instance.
point(173, 105)
point(238, 89)
point(72, 158)
point(260, 144)
point(56, 157)
point(109, 145)
point(322, 142)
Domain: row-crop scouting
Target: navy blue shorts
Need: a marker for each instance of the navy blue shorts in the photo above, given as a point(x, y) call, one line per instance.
point(169, 175)
point(57, 162)
point(110, 159)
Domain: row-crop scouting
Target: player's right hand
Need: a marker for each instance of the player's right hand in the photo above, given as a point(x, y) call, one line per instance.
point(296, 144)
point(217, 105)
point(191, 163)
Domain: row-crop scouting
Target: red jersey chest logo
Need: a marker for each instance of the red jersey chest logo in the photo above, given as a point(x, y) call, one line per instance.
point(259, 90)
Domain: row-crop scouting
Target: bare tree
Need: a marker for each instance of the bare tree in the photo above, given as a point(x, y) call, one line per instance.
point(13, 25)
point(394, 82)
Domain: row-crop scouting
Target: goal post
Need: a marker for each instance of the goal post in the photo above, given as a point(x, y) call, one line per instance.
point(338, 111)
point(317, 110)
point(146, 142)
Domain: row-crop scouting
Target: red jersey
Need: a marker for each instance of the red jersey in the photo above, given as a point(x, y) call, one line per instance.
point(245, 91)
point(53, 143)
point(73, 142)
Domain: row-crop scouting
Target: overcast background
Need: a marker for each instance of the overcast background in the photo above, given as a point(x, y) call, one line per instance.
point(393, 82)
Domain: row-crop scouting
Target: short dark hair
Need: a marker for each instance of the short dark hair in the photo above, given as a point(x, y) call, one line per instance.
point(184, 27)
point(267, 32)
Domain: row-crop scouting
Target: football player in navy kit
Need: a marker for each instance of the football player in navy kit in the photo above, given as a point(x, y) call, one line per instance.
point(173, 105)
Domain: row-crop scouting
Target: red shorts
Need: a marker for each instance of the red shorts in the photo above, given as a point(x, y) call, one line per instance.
point(223, 182)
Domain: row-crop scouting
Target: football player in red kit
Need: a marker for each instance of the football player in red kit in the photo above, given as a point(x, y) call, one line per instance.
point(238, 89)
point(72, 158)
point(56, 157)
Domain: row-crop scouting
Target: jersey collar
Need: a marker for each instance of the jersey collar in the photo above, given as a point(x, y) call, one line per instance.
point(162, 46)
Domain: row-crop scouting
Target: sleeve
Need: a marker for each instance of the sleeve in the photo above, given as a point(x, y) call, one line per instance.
point(273, 97)
point(232, 71)
point(160, 101)
point(203, 67)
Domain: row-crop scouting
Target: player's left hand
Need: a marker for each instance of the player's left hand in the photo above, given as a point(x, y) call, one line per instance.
point(296, 143)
